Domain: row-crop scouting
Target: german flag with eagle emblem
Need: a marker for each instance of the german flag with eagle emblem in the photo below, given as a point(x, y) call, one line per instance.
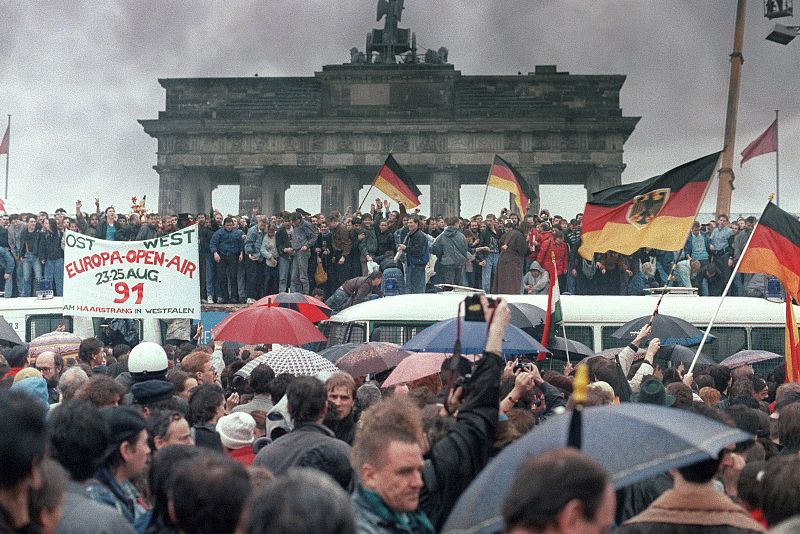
point(656, 213)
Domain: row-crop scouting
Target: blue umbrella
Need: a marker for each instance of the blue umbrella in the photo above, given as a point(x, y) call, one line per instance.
point(441, 336)
point(656, 438)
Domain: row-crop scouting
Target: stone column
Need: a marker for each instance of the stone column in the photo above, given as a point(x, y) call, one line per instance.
point(198, 200)
point(445, 192)
point(249, 188)
point(334, 190)
point(170, 193)
point(352, 190)
point(604, 176)
point(273, 191)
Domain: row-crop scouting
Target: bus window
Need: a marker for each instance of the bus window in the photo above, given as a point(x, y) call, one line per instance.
point(771, 339)
point(581, 334)
point(730, 340)
point(36, 325)
point(609, 341)
point(357, 333)
point(396, 333)
point(335, 332)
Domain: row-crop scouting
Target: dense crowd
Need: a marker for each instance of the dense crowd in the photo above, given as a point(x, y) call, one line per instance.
point(245, 257)
point(178, 440)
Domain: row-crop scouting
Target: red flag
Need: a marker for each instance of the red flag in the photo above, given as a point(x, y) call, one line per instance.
point(4, 143)
point(764, 144)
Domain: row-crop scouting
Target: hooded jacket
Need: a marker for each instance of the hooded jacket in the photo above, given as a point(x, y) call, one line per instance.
point(451, 247)
point(539, 284)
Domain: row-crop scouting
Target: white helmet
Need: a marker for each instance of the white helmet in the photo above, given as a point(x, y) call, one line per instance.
point(147, 359)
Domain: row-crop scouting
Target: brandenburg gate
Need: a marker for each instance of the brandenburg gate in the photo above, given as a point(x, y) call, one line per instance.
point(335, 128)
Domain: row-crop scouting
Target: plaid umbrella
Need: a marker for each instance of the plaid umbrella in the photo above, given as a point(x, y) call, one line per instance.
point(64, 343)
point(294, 360)
point(312, 308)
point(370, 358)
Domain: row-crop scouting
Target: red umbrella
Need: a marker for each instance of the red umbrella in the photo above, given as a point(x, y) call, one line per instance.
point(418, 365)
point(256, 325)
point(312, 308)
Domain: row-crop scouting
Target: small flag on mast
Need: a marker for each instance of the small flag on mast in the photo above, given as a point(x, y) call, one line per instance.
point(763, 144)
point(4, 143)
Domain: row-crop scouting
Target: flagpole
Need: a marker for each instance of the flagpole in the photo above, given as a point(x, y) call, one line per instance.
point(486, 189)
point(777, 173)
point(725, 292)
point(566, 341)
point(367, 195)
point(8, 156)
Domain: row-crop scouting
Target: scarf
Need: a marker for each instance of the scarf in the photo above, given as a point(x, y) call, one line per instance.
point(412, 522)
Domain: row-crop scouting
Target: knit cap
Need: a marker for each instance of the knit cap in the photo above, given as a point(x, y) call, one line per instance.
point(236, 430)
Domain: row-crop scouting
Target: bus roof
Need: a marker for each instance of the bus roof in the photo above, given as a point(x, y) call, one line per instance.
point(577, 309)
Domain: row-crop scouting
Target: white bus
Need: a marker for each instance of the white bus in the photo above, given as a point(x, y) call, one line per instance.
point(31, 317)
point(743, 323)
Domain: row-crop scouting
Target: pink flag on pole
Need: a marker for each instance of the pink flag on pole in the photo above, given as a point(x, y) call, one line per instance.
point(764, 144)
point(4, 143)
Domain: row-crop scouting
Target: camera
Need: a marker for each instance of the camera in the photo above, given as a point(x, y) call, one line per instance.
point(473, 310)
point(523, 366)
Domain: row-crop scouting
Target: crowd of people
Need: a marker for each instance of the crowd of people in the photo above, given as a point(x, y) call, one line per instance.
point(143, 439)
point(245, 257)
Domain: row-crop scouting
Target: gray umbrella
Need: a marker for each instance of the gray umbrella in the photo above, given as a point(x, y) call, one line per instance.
point(7, 333)
point(658, 437)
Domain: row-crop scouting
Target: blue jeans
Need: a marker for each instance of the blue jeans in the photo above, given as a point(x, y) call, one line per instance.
point(31, 270)
point(54, 271)
point(489, 270)
point(284, 270)
point(211, 266)
point(415, 277)
point(9, 285)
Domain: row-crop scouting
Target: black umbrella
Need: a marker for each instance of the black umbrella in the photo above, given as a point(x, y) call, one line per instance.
point(337, 351)
point(7, 333)
point(662, 438)
point(528, 317)
point(670, 330)
point(559, 346)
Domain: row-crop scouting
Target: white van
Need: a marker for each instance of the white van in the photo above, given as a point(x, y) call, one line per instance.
point(743, 323)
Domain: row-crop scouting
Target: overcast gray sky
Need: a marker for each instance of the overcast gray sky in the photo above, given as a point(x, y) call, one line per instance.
point(77, 75)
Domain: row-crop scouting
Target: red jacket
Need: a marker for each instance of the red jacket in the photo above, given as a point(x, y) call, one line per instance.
point(562, 257)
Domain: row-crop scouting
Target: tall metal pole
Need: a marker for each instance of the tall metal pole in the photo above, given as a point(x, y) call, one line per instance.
point(8, 156)
point(726, 176)
point(777, 171)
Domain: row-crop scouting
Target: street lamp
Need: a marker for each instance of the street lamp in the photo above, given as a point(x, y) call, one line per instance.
point(783, 34)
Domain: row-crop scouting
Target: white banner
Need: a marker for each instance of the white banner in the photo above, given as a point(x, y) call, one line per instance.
point(157, 278)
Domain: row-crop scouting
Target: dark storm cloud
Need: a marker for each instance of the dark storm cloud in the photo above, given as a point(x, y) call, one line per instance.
point(77, 75)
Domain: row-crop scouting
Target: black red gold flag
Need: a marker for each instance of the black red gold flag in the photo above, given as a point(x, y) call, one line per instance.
point(393, 181)
point(656, 213)
point(503, 176)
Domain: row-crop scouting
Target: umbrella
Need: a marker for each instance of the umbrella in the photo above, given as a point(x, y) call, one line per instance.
point(370, 358)
point(312, 308)
point(439, 337)
point(293, 360)
point(749, 357)
point(7, 333)
point(671, 330)
point(337, 351)
point(66, 344)
point(418, 365)
point(577, 351)
point(524, 316)
point(676, 354)
point(663, 438)
point(256, 325)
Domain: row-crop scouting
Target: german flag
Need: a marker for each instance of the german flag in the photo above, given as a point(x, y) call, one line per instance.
point(393, 180)
point(656, 213)
point(503, 176)
point(792, 346)
point(774, 248)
